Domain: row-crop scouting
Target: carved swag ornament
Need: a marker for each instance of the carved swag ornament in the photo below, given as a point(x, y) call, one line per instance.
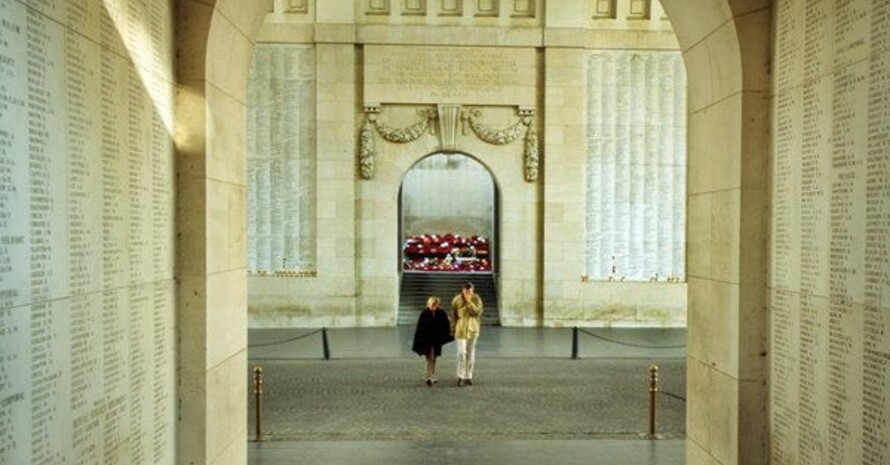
point(471, 117)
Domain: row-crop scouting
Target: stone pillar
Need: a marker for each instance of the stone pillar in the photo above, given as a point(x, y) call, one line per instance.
point(726, 54)
point(210, 226)
point(335, 152)
point(565, 153)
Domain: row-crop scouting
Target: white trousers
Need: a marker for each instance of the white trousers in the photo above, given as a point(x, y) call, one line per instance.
point(466, 357)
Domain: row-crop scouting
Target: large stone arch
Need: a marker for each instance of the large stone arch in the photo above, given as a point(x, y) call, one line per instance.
point(381, 195)
point(214, 49)
point(725, 47)
point(725, 44)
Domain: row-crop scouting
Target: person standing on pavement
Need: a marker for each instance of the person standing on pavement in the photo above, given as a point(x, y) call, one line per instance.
point(466, 311)
point(432, 332)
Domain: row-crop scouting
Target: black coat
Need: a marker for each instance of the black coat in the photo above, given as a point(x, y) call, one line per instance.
point(433, 330)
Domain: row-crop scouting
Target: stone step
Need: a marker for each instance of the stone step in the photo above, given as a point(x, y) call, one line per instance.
point(416, 287)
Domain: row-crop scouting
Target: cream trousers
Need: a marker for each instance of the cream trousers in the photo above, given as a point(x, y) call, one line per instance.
point(466, 357)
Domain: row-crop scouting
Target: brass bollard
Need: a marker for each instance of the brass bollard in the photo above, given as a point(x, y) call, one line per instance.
point(258, 393)
point(653, 391)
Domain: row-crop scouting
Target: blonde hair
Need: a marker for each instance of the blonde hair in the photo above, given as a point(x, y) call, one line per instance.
point(433, 301)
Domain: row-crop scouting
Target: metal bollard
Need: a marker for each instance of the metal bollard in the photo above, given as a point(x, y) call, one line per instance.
point(324, 344)
point(258, 394)
point(653, 391)
point(575, 343)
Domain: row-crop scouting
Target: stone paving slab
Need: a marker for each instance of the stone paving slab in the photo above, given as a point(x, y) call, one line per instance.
point(513, 398)
point(506, 452)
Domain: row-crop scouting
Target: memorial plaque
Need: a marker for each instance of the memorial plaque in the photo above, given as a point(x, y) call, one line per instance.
point(876, 372)
point(464, 75)
point(86, 319)
point(636, 165)
point(281, 159)
point(839, 209)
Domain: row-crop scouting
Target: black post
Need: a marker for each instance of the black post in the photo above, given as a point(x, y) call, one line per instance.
point(324, 343)
point(575, 343)
point(258, 392)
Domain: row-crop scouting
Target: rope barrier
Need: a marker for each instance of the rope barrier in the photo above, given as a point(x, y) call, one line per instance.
point(630, 344)
point(285, 341)
point(670, 394)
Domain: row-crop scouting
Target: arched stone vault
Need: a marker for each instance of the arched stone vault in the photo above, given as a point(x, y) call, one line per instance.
point(725, 44)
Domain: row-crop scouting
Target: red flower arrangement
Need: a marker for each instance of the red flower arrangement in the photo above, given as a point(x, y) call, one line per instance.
point(446, 252)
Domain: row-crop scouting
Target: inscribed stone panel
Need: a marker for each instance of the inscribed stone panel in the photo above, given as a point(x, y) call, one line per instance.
point(636, 165)
point(465, 75)
point(830, 264)
point(86, 293)
point(281, 158)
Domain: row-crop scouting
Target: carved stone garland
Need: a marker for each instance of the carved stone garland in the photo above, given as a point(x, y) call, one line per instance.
point(368, 151)
point(510, 134)
point(367, 148)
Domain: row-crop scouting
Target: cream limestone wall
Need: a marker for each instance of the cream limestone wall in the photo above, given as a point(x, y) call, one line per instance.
point(725, 46)
point(403, 70)
point(567, 299)
point(829, 283)
point(726, 50)
point(379, 251)
point(213, 39)
point(448, 193)
point(87, 290)
point(327, 299)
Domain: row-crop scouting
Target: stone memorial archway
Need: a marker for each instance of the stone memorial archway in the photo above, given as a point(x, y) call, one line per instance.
point(725, 44)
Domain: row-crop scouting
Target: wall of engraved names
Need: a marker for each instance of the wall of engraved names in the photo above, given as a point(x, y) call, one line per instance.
point(281, 158)
point(636, 165)
point(830, 280)
point(87, 358)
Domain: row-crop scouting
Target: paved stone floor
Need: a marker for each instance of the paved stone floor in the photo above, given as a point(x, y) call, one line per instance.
point(503, 452)
point(531, 402)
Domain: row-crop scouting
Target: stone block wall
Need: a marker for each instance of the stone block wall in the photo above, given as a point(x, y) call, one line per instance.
point(391, 79)
point(830, 264)
point(87, 295)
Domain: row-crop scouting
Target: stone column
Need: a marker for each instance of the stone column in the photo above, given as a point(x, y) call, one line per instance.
point(725, 48)
point(565, 153)
point(214, 57)
point(336, 162)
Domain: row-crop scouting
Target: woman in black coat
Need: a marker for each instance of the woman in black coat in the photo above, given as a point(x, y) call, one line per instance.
point(433, 331)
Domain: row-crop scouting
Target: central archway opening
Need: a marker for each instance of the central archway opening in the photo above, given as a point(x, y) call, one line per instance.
point(713, 75)
point(448, 207)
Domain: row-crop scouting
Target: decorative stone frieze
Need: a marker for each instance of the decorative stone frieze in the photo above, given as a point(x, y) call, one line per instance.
point(405, 134)
point(448, 117)
point(367, 144)
point(523, 127)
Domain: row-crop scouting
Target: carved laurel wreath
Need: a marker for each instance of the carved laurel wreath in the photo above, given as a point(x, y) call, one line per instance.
point(503, 136)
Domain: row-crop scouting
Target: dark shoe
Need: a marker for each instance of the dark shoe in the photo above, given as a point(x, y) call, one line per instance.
point(429, 382)
point(469, 382)
point(460, 382)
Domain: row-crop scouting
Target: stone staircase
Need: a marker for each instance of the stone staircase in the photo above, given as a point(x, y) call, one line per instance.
point(416, 287)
